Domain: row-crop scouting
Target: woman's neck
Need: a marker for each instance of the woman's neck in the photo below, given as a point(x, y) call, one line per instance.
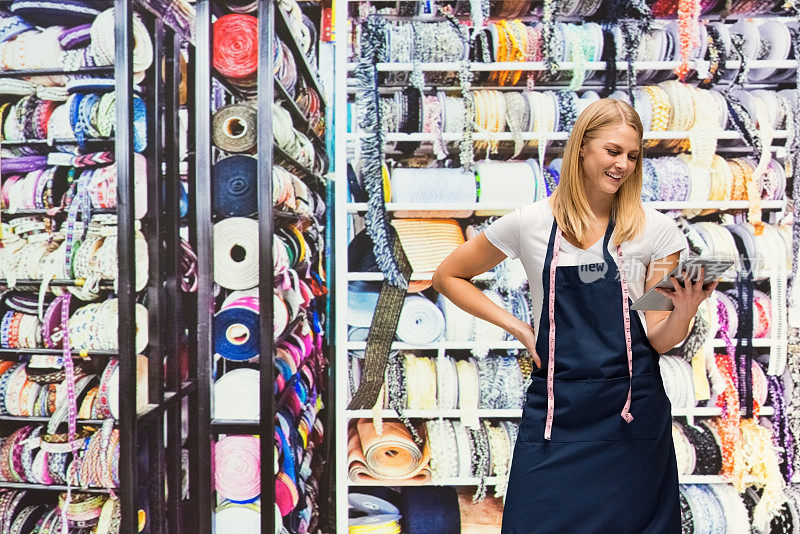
point(600, 204)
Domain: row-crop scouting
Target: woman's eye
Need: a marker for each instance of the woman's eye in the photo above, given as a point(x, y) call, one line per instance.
point(612, 152)
point(633, 158)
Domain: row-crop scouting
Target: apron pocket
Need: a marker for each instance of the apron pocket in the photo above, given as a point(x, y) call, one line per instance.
point(589, 410)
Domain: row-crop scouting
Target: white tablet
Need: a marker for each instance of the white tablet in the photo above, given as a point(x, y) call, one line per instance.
point(653, 300)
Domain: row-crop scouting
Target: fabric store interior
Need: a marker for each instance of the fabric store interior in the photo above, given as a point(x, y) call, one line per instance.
point(156, 154)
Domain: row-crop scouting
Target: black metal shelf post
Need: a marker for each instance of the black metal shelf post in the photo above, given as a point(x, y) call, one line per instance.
point(173, 316)
point(123, 75)
point(266, 284)
point(203, 493)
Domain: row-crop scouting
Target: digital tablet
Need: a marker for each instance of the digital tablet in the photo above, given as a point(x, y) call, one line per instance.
point(653, 300)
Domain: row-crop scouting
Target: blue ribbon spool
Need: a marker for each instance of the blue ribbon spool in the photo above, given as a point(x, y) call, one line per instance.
point(184, 201)
point(236, 335)
point(139, 125)
point(11, 26)
point(233, 187)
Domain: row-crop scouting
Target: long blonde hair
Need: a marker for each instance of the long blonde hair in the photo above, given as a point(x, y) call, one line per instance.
point(570, 207)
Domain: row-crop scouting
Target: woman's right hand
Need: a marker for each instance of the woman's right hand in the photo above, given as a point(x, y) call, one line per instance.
point(526, 335)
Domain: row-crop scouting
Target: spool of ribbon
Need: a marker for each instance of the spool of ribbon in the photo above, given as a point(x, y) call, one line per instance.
point(232, 518)
point(393, 455)
point(102, 188)
point(22, 164)
point(459, 325)
point(427, 242)
point(11, 26)
point(233, 128)
point(65, 12)
point(236, 395)
point(236, 253)
point(237, 467)
point(141, 386)
point(103, 50)
point(236, 48)
point(505, 183)
point(434, 185)
point(234, 188)
point(236, 330)
point(421, 322)
point(431, 510)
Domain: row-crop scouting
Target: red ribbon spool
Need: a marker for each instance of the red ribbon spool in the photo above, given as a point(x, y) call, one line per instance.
point(236, 48)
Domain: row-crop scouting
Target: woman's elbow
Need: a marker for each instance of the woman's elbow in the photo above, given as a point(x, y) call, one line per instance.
point(437, 279)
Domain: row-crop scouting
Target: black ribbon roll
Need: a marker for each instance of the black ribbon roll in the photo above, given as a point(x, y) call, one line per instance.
point(234, 187)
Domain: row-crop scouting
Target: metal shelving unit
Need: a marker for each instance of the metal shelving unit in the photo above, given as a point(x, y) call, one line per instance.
point(271, 22)
point(142, 432)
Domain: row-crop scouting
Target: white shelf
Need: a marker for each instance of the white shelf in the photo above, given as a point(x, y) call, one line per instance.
point(533, 136)
point(448, 345)
point(492, 481)
point(516, 413)
point(714, 412)
point(757, 342)
point(565, 65)
point(708, 479)
point(361, 207)
point(458, 481)
point(378, 277)
point(499, 345)
point(435, 414)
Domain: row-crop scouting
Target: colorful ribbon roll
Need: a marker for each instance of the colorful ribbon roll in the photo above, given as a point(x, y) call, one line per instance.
point(236, 253)
point(234, 187)
point(236, 330)
point(233, 128)
point(102, 187)
point(236, 48)
point(393, 455)
point(237, 468)
point(427, 242)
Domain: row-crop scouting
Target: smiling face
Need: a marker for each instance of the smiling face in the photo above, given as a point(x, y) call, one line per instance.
point(609, 157)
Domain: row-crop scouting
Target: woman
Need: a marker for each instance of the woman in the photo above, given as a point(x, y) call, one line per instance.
point(594, 452)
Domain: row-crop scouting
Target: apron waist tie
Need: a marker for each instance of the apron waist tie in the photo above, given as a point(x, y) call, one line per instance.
point(626, 414)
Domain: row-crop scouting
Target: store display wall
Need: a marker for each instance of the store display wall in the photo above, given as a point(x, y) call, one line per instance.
point(449, 114)
point(92, 366)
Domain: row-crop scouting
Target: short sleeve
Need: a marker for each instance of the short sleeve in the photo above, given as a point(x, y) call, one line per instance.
point(504, 233)
point(668, 238)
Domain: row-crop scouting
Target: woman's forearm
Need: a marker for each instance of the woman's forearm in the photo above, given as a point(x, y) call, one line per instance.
point(669, 332)
point(472, 300)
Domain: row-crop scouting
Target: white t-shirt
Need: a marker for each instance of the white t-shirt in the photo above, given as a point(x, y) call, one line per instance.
point(525, 234)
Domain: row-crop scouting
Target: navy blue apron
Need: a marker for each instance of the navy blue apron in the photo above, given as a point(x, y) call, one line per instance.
point(597, 473)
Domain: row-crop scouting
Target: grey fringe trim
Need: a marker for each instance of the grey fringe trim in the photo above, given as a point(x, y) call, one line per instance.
point(373, 40)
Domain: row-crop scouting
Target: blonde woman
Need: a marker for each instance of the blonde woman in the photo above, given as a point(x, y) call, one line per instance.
point(594, 452)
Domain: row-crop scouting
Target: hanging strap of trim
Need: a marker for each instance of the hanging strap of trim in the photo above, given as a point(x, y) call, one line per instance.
point(381, 334)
